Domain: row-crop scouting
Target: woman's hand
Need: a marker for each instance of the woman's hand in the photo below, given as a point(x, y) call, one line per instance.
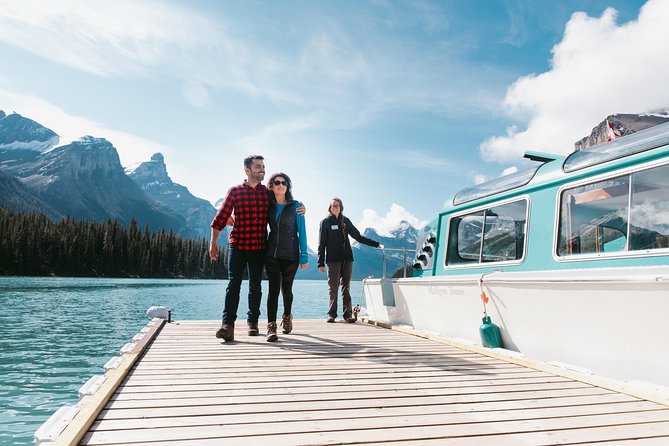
point(304, 265)
point(321, 269)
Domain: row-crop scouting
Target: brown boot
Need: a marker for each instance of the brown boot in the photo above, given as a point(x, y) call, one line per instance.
point(287, 323)
point(271, 332)
point(226, 332)
point(253, 329)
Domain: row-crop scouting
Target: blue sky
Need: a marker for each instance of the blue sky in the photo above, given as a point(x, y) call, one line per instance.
point(392, 106)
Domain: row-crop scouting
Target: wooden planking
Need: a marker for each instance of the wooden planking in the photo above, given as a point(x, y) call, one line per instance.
point(506, 409)
point(354, 383)
point(91, 405)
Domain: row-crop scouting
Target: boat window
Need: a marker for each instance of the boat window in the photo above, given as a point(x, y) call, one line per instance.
point(504, 235)
point(649, 221)
point(495, 186)
point(641, 141)
point(590, 210)
point(496, 234)
point(597, 218)
point(469, 229)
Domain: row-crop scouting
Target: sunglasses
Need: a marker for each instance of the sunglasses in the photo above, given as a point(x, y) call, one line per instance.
point(280, 183)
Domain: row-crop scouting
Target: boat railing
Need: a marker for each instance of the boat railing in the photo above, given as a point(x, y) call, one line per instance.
point(404, 261)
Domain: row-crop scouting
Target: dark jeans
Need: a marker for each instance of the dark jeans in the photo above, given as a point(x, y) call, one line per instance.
point(340, 272)
point(281, 274)
point(237, 262)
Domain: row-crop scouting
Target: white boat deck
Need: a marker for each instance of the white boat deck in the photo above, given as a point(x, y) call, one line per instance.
point(354, 384)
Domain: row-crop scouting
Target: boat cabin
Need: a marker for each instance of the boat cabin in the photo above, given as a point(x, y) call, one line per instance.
point(606, 206)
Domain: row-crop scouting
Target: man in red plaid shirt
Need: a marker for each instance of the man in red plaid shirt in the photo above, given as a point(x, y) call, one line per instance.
point(249, 202)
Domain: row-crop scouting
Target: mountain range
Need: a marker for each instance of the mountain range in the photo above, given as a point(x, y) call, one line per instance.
point(85, 180)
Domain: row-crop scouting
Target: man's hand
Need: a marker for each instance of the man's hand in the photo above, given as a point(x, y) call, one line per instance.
point(321, 269)
point(213, 251)
point(301, 210)
point(304, 265)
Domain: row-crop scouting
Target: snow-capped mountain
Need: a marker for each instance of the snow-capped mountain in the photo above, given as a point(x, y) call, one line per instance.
point(85, 180)
point(369, 261)
point(17, 133)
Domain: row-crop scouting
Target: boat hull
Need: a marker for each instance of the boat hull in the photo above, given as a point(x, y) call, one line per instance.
point(610, 321)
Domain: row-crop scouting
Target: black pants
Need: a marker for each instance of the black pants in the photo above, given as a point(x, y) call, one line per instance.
point(340, 272)
point(281, 274)
point(237, 262)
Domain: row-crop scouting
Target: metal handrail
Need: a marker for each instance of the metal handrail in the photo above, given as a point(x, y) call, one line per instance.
point(404, 262)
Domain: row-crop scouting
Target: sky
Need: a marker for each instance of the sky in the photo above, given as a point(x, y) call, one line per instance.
point(393, 106)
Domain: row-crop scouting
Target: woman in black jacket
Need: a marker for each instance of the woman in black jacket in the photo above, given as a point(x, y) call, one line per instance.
point(286, 248)
point(334, 249)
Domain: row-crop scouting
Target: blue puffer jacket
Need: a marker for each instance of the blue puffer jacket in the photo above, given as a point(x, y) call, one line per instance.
point(287, 236)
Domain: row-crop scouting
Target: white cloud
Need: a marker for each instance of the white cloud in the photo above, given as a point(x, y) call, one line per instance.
point(131, 148)
point(599, 68)
point(391, 221)
point(101, 37)
point(318, 62)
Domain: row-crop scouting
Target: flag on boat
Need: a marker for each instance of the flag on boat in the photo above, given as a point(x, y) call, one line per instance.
point(611, 132)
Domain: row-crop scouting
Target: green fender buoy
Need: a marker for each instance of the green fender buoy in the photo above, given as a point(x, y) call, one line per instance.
point(490, 336)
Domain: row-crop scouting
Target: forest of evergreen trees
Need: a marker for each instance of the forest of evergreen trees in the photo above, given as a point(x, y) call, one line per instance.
point(33, 245)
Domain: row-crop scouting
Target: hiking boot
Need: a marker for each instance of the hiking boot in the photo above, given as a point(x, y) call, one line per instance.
point(350, 320)
point(287, 323)
point(226, 332)
point(271, 332)
point(330, 320)
point(253, 328)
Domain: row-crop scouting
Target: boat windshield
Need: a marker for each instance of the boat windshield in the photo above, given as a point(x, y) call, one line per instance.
point(495, 186)
point(627, 145)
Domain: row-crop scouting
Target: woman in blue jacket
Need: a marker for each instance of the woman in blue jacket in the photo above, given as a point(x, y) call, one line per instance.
point(286, 249)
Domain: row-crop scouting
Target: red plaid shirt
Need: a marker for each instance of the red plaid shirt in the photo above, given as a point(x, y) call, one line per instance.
point(249, 205)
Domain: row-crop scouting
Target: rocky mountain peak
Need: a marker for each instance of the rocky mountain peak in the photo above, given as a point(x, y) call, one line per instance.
point(403, 229)
point(151, 176)
point(18, 132)
point(149, 172)
point(623, 124)
point(87, 157)
point(402, 236)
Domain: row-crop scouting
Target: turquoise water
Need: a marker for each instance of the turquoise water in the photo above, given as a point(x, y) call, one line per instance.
point(55, 333)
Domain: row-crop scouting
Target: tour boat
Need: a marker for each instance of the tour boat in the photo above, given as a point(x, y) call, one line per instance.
point(571, 255)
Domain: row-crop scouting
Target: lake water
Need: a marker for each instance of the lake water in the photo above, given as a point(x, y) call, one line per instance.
point(55, 333)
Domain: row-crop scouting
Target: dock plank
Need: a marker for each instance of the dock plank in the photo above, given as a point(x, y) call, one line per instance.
point(355, 384)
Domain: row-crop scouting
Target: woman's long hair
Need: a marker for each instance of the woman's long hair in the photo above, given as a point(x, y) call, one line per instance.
point(289, 187)
point(340, 219)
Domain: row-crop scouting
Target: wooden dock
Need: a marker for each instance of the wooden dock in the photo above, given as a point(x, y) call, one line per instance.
point(355, 384)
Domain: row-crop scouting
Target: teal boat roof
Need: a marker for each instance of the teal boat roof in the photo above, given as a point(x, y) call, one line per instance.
point(641, 141)
point(507, 182)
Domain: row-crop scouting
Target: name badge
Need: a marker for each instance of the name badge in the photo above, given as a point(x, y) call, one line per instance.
point(333, 227)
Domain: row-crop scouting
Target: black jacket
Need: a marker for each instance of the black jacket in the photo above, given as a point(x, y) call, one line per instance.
point(283, 242)
point(334, 245)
